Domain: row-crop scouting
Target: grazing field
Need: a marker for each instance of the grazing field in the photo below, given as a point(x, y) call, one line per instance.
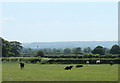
point(55, 72)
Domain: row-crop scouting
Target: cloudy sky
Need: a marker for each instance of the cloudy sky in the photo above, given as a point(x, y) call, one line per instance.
point(59, 21)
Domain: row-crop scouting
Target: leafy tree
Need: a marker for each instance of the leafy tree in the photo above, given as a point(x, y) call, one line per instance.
point(77, 50)
point(40, 53)
point(98, 50)
point(107, 50)
point(67, 50)
point(10, 48)
point(16, 47)
point(59, 51)
point(11, 54)
point(54, 50)
point(5, 48)
point(48, 51)
point(87, 50)
point(45, 51)
point(115, 49)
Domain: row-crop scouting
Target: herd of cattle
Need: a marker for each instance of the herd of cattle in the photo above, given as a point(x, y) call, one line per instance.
point(70, 67)
point(79, 66)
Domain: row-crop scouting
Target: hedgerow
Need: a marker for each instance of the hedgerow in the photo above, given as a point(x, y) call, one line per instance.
point(61, 60)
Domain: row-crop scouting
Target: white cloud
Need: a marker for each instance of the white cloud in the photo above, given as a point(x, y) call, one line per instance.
point(7, 19)
point(3, 20)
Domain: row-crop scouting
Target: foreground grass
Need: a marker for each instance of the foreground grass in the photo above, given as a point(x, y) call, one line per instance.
point(56, 72)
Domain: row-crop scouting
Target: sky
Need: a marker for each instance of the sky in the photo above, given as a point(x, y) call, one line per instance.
point(59, 21)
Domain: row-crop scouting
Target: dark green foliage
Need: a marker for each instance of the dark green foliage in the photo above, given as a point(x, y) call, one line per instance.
point(5, 48)
point(10, 48)
point(24, 59)
point(87, 50)
point(61, 60)
point(58, 51)
point(115, 49)
point(98, 50)
point(16, 47)
point(67, 51)
point(11, 54)
point(40, 53)
point(107, 51)
point(77, 50)
point(80, 61)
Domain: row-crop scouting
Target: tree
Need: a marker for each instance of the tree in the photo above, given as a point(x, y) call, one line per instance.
point(16, 47)
point(54, 50)
point(98, 50)
point(107, 50)
point(11, 54)
point(45, 51)
point(59, 51)
point(115, 49)
point(6, 47)
point(77, 50)
point(40, 53)
point(67, 50)
point(87, 50)
point(10, 48)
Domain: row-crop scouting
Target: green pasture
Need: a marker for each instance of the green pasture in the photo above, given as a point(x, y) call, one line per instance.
point(55, 72)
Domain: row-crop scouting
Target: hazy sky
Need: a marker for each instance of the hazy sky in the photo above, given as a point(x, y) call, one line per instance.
point(59, 21)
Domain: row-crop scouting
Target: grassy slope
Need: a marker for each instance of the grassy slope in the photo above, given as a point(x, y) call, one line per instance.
point(56, 72)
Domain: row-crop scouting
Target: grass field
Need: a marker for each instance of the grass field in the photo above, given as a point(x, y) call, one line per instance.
point(55, 72)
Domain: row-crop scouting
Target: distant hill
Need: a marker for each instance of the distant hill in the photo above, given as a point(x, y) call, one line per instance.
point(70, 44)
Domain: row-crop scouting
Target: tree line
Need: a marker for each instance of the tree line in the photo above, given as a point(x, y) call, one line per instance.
point(15, 49)
point(76, 50)
point(115, 49)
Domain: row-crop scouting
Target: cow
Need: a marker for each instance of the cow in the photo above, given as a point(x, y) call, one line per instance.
point(87, 63)
point(21, 65)
point(68, 67)
point(111, 63)
point(98, 62)
point(79, 66)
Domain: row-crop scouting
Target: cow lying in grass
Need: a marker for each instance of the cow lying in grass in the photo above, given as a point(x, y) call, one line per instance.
point(68, 67)
point(21, 65)
point(79, 66)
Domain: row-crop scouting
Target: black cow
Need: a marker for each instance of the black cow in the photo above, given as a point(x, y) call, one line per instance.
point(79, 66)
point(111, 63)
point(21, 65)
point(68, 67)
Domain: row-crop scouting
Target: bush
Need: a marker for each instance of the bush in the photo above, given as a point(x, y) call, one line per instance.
point(40, 53)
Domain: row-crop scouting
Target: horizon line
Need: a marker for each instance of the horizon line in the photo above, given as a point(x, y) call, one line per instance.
point(59, 0)
point(68, 41)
